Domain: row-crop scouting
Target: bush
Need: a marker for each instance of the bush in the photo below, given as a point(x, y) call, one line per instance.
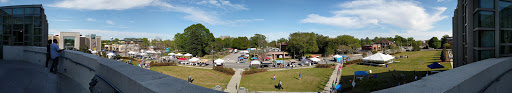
point(374, 52)
point(353, 61)
point(443, 55)
point(226, 70)
point(323, 66)
point(162, 64)
point(254, 71)
point(364, 54)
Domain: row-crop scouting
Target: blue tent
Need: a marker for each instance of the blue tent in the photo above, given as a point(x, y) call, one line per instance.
point(343, 56)
point(240, 58)
point(360, 73)
point(279, 61)
point(254, 58)
point(338, 87)
point(435, 65)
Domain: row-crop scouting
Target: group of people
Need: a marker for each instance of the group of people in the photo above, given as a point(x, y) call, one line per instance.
point(52, 50)
point(280, 84)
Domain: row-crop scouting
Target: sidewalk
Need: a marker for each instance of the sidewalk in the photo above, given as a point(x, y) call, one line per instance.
point(333, 77)
point(234, 83)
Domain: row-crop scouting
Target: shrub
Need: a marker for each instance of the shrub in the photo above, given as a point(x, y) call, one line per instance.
point(226, 70)
point(443, 55)
point(162, 64)
point(323, 66)
point(364, 54)
point(374, 52)
point(353, 61)
point(254, 71)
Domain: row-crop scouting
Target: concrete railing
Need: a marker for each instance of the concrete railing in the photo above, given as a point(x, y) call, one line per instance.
point(112, 75)
point(486, 76)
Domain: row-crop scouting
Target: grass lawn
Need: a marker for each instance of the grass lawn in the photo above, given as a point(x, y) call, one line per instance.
point(313, 80)
point(203, 77)
point(385, 79)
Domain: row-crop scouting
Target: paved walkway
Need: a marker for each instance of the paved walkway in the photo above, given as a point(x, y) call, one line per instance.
point(26, 77)
point(333, 77)
point(234, 83)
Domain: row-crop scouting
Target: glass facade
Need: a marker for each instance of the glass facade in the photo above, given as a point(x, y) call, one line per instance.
point(489, 4)
point(505, 9)
point(23, 25)
point(506, 36)
point(486, 38)
point(483, 19)
point(485, 54)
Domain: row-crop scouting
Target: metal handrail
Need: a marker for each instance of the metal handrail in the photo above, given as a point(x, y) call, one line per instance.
point(110, 84)
point(493, 81)
point(91, 69)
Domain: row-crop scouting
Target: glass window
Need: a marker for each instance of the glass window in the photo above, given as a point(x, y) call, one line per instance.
point(27, 38)
point(37, 10)
point(7, 29)
point(8, 11)
point(37, 31)
point(483, 19)
point(37, 21)
point(506, 36)
point(483, 4)
point(18, 11)
point(485, 54)
point(27, 19)
point(29, 11)
point(505, 49)
point(69, 42)
point(486, 38)
point(37, 38)
point(28, 29)
point(505, 14)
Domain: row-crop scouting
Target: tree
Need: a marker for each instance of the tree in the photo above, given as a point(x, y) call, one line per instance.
point(145, 42)
point(446, 45)
point(116, 41)
point(196, 39)
point(240, 43)
point(301, 43)
point(272, 43)
point(258, 41)
point(443, 55)
point(322, 42)
point(410, 40)
point(416, 45)
point(282, 40)
point(434, 43)
point(444, 40)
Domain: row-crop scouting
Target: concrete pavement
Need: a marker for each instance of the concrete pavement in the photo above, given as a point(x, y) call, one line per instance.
point(334, 77)
point(234, 83)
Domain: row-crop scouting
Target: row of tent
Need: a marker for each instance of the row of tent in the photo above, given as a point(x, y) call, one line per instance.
point(179, 54)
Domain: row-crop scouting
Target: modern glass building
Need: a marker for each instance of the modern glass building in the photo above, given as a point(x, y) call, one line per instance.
point(482, 29)
point(23, 25)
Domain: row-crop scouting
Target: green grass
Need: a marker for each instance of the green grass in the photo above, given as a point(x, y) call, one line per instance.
point(203, 77)
point(406, 66)
point(313, 80)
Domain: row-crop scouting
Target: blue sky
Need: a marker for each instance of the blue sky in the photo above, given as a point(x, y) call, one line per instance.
point(276, 19)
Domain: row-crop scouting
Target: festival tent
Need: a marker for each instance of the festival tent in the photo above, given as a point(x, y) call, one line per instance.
point(179, 54)
point(360, 74)
point(188, 55)
point(267, 57)
point(336, 56)
point(170, 54)
point(254, 58)
point(94, 52)
point(194, 59)
point(218, 61)
point(314, 59)
point(255, 62)
point(378, 57)
point(182, 59)
point(240, 58)
point(111, 54)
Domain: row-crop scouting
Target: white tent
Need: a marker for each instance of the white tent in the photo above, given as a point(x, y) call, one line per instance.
point(143, 54)
point(94, 52)
point(378, 57)
point(179, 54)
point(255, 62)
point(336, 56)
point(194, 59)
point(111, 54)
point(219, 61)
point(171, 54)
point(188, 55)
point(314, 59)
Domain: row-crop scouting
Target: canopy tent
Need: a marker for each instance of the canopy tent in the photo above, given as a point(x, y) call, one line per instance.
point(360, 73)
point(435, 65)
point(305, 60)
point(111, 54)
point(94, 52)
point(240, 58)
point(131, 52)
point(338, 87)
point(219, 61)
point(203, 60)
point(266, 62)
point(254, 58)
point(179, 54)
point(170, 54)
point(336, 56)
point(314, 59)
point(143, 54)
point(182, 59)
point(244, 51)
point(188, 55)
point(194, 59)
point(255, 62)
point(267, 57)
point(279, 61)
point(246, 55)
point(378, 57)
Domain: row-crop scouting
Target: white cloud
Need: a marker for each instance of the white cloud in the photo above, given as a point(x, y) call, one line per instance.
point(115, 34)
point(102, 4)
point(441, 0)
point(109, 22)
point(3, 1)
point(364, 13)
point(222, 4)
point(91, 19)
point(119, 26)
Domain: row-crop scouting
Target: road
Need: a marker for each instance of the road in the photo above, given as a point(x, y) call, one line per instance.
point(230, 61)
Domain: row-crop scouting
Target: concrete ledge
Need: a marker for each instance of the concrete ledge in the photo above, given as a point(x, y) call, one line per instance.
point(465, 79)
point(82, 67)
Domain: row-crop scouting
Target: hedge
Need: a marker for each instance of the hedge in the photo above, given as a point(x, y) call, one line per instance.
point(323, 66)
point(254, 71)
point(353, 61)
point(163, 64)
point(226, 70)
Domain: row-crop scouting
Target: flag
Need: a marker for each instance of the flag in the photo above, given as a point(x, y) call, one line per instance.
point(354, 83)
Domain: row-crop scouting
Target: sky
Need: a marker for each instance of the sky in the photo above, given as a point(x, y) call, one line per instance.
point(421, 19)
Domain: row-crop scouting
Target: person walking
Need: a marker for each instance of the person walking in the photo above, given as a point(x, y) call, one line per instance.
point(274, 77)
point(189, 79)
point(299, 76)
point(54, 50)
point(280, 85)
point(48, 53)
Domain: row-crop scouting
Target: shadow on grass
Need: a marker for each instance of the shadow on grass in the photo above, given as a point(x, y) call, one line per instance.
point(382, 81)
